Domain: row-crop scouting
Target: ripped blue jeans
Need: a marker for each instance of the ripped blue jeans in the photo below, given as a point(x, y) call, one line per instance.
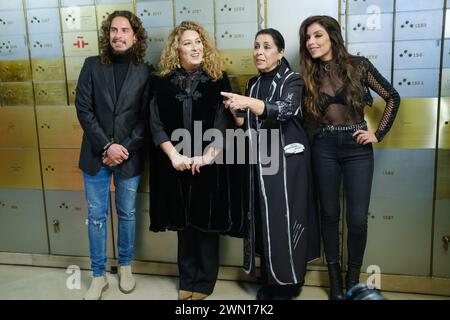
point(97, 196)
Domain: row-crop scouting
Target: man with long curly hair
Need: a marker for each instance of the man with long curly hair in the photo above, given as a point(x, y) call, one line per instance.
point(111, 98)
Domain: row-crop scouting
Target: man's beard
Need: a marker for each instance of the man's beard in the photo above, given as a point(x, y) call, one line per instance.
point(120, 53)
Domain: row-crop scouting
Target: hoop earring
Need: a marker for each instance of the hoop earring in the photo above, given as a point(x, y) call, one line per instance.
point(279, 62)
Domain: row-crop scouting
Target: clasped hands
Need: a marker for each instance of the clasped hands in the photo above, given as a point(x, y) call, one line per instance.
point(181, 162)
point(115, 155)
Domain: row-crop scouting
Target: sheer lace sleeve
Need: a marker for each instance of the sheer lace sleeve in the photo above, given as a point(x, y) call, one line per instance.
point(381, 86)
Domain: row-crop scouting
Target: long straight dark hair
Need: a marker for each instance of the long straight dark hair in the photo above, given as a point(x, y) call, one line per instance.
point(344, 71)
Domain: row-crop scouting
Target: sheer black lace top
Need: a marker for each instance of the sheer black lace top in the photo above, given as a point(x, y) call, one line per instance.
point(335, 109)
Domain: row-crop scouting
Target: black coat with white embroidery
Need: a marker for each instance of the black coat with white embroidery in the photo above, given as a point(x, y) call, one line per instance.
point(282, 219)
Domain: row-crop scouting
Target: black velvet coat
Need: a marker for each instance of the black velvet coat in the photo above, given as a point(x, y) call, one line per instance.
point(178, 198)
point(282, 220)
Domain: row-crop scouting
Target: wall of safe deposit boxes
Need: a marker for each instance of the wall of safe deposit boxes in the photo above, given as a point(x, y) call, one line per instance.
point(43, 45)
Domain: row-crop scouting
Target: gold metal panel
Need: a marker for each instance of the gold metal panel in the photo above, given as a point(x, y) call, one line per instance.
point(444, 124)
point(80, 44)
point(17, 128)
point(239, 62)
point(50, 93)
point(71, 90)
point(78, 18)
point(48, 69)
point(443, 175)
point(104, 10)
point(20, 169)
point(15, 71)
point(58, 127)
point(17, 94)
point(414, 126)
point(73, 67)
point(60, 169)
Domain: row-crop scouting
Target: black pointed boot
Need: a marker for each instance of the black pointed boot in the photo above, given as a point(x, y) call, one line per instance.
point(352, 277)
point(334, 273)
point(287, 292)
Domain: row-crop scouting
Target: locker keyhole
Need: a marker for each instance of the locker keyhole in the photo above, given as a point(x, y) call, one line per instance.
point(446, 240)
point(55, 226)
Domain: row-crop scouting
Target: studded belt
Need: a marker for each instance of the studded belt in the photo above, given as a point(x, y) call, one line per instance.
point(343, 128)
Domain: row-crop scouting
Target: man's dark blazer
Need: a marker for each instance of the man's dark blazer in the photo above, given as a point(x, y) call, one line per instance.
point(104, 116)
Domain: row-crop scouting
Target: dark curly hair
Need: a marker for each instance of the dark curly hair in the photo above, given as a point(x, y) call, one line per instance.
point(137, 50)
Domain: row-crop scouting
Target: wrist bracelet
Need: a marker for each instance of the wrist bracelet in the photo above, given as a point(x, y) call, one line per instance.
point(107, 146)
point(105, 149)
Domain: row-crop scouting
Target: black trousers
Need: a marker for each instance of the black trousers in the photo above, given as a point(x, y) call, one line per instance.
point(337, 156)
point(198, 260)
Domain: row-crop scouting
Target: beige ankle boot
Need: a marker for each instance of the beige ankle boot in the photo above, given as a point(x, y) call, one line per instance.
point(126, 279)
point(184, 295)
point(98, 286)
point(199, 295)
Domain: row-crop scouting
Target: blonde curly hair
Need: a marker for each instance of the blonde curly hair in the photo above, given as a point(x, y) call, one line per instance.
point(170, 60)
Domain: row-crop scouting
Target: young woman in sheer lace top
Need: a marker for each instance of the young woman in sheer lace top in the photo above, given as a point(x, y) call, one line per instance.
point(336, 92)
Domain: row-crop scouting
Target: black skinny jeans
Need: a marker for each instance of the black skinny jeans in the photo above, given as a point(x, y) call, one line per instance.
point(337, 155)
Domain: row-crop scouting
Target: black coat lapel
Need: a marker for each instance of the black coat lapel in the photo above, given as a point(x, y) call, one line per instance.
point(108, 73)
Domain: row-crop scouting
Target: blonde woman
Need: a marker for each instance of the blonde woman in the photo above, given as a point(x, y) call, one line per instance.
point(189, 192)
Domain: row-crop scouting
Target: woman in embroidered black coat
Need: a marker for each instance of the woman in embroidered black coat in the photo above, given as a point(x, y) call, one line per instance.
point(189, 193)
point(282, 226)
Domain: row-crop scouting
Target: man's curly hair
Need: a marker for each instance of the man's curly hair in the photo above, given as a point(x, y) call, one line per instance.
point(137, 50)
